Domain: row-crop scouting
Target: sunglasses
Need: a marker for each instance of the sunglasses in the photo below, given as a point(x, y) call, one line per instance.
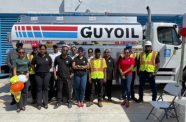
point(126, 52)
point(65, 50)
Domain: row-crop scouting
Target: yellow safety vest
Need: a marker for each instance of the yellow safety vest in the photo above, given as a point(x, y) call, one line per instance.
point(97, 68)
point(147, 62)
point(31, 69)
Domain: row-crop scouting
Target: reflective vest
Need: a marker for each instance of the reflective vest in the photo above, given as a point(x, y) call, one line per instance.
point(147, 62)
point(133, 55)
point(31, 69)
point(97, 68)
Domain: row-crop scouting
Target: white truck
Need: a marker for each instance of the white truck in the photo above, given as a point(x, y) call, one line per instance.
point(112, 32)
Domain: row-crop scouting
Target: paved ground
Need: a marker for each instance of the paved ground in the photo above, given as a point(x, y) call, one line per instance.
point(111, 112)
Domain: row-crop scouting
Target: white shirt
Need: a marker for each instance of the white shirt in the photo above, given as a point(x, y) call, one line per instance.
point(53, 56)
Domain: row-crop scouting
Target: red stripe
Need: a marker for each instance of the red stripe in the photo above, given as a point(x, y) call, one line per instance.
point(18, 27)
point(58, 28)
point(23, 27)
point(28, 28)
point(36, 28)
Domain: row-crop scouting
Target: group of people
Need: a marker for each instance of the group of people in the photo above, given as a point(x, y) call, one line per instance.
point(52, 76)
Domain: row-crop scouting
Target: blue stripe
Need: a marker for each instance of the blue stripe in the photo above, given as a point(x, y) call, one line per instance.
point(20, 34)
point(17, 34)
point(30, 34)
point(60, 34)
point(37, 35)
point(24, 34)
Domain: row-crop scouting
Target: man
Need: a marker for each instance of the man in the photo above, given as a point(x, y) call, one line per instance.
point(52, 83)
point(149, 65)
point(11, 56)
point(63, 76)
point(74, 52)
point(88, 88)
point(110, 74)
point(135, 56)
point(30, 56)
point(97, 75)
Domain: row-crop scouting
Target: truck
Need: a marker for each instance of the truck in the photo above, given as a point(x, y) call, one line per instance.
point(111, 32)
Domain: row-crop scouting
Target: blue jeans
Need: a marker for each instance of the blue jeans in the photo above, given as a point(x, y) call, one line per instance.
point(80, 84)
point(125, 86)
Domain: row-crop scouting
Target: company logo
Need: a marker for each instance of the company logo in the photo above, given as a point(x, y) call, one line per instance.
point(46, 31)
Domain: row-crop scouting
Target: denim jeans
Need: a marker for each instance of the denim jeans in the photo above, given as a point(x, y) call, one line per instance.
point(125, 85)
point(80, 84)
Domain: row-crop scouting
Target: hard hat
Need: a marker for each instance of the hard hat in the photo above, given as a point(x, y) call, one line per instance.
point(129, 45)
point(35, 45)
point(148, 43)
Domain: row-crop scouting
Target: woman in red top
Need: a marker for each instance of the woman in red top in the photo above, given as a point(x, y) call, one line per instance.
point(126, 64)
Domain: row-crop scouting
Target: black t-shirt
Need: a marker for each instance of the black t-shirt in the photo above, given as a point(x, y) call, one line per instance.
point(64, 66)
point(80, 62)
point(110, 67)
point(42, 63)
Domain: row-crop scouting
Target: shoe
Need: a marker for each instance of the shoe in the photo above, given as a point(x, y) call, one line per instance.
point(81, 104)
point(57, 105)
point(127, 104)
point(39, 107)
point(23, 108)
point(100, 104)
point(134, 99)
point(18, 110)
point(69, 105)
point(88, 104)
point(13, 102)
point(123, 103)
point(140, 101)
point(46, 106)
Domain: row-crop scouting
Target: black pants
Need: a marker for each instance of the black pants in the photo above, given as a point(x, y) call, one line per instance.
point(147, 77)
point(97, 88)
point(33, 86)
point(107, 89)
point(23, 99)
point(52, 87)
point(42, 82)
point(61, 82)
point(132, 92)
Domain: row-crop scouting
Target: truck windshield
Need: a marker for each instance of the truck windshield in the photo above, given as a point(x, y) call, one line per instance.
point(168, 35)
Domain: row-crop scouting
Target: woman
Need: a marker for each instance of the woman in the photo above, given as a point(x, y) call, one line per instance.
point(42, 63)
point(126, 63)
point(80, 66)
point(21, 66)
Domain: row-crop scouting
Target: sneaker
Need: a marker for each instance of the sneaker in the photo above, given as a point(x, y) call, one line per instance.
point(23, 108)
point(39, 107)
point(69, 105)
point(123, 103)
point(100, 104)
point(81, 104)
point(57, 105)
point(46, 106)
point(134, 99)
point(18, 110)
point(127, 104)
point(88, 104)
